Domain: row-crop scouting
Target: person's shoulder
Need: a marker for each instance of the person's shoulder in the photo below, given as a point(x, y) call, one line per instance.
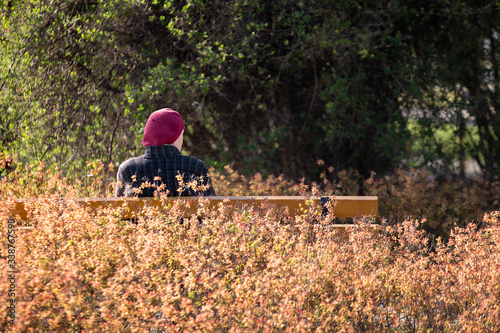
point(194, 162)
point(131, 162)
point(191, 158)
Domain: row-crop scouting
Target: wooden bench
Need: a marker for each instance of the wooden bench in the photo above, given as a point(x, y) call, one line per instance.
point(345, 206)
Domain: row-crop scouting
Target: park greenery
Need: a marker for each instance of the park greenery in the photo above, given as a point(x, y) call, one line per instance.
point(265, 86)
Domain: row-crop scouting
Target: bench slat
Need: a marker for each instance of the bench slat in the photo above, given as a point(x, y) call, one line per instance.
point(346, 206)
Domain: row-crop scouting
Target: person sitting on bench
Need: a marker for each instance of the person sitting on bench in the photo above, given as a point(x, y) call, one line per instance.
point(162, 169)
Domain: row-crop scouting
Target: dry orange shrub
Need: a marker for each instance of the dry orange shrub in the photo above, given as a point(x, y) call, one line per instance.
point(230, 182)
point(441, 202)
point(240, 269)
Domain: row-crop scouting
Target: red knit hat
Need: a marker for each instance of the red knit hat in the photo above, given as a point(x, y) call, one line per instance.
point(163, 127)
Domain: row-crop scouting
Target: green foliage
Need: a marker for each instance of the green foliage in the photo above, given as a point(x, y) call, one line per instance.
point(63, 84)
point(457, 56)
point(271, 86)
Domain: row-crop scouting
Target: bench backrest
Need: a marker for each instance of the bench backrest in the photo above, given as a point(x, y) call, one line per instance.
point(345, 206)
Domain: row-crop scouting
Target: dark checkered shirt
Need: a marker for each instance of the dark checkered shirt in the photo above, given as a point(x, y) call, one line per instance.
point(162, 165)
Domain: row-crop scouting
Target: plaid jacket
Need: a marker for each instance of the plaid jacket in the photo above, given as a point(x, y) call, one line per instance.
point(142, 176)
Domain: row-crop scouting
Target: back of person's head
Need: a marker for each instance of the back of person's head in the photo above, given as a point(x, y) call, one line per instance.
point(164, 126)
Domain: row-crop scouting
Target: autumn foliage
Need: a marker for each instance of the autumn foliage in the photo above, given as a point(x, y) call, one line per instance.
point(239, 269)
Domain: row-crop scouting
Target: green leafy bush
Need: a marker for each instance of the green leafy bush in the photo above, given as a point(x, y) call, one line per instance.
point(270, 86)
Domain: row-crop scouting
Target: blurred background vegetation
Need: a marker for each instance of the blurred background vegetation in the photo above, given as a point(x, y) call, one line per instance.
point(265, 86)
